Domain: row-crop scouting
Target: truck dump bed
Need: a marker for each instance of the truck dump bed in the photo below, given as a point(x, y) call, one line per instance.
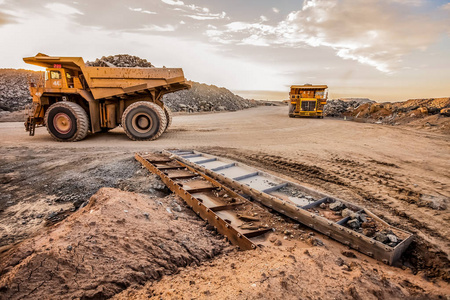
point(105, 82)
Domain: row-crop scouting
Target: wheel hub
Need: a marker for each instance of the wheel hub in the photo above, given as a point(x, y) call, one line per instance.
point(142, 123)
point(62, 123)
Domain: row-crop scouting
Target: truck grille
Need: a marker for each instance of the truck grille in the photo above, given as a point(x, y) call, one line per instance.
point(308, 105)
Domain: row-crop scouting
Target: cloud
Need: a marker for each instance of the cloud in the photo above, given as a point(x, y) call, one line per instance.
point(142, 11)
point(371, 32)
point(200, 13)
point(174, 2)
point(207, 16)
point(275, 10)
point(63, 9)
point(165, 28)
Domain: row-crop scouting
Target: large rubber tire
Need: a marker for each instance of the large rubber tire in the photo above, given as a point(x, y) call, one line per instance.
point(144, 121)
point(67, 121)
point(168, 114)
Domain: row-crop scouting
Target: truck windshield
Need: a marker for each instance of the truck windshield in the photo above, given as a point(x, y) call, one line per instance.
point(55, 74)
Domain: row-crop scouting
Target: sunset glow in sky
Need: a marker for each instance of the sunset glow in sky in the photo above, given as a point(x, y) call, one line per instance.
point(387, 50)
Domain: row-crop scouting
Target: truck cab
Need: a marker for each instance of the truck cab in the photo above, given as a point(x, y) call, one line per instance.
point(61, 78)
point(307, 100)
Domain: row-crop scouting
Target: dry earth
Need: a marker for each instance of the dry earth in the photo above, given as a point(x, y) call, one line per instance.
point(400, 173)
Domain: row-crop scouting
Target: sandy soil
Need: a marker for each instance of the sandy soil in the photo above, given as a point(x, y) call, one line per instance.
point(400, 173)
point(118, 240)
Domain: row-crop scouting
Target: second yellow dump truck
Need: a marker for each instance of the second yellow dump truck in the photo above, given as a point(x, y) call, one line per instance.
point(74, 99)
point(307, 100)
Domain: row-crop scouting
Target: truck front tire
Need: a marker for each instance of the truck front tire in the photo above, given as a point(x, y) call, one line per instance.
point(67, 121)
point(144, 121)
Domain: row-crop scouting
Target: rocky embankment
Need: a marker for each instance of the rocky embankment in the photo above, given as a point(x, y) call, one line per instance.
point(15, 96)
point(14, 93)
point(433, 112)
point(203, 97)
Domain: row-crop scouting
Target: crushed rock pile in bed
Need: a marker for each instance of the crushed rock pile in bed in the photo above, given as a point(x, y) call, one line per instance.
point(120, 60)
point(120, 239)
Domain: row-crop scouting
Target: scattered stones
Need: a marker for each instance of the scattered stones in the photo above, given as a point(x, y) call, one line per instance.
point(381, 237)
point(177, 208)
point(52, 215)
point(348, 213)
point(337, 205)
point(369, 232)
point(314, 241)
point(354, 224)
point(392, 238)
point(277, 243)
point(339, 261)
point(349, 254)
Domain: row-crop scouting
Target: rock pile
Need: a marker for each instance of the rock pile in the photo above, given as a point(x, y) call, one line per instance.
point(203, 97)
point(14, 92)
point(120, 60)
point(431, 113)
point(359, 222)
point(337, 107)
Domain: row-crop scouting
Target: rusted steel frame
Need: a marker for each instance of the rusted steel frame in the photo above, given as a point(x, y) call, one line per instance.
point(257, 233)
point(181, 176)
point(205, 213)
point(333, 230)
point(225, 207)
point(169, 167)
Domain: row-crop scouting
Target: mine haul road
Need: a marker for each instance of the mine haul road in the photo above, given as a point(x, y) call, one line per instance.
point(400, 173)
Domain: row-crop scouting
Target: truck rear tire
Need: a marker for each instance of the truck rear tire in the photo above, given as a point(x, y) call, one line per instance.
point(144, 121)
point(67, 121)
point(168, 114)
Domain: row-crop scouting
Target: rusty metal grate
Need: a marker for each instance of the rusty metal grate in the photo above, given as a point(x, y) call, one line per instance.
point(218, 205)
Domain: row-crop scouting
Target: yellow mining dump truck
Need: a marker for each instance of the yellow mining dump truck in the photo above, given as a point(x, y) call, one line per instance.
point(307, 100)
point(74, 99)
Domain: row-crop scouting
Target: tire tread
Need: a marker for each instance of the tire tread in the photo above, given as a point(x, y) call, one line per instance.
point(80, 115)
point(160, 113)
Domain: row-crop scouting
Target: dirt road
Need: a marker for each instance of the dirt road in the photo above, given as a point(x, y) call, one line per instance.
point(400, 173)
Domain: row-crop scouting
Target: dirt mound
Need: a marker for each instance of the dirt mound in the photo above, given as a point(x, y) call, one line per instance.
point(301, 272)
point(119, 240)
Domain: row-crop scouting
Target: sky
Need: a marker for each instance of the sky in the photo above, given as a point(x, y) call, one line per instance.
point(385, 50)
